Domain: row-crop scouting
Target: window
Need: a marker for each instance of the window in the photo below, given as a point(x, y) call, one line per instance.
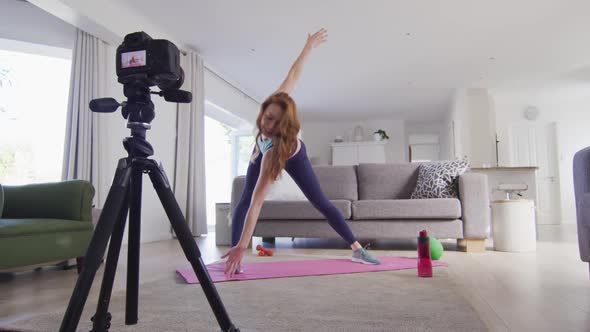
point(217, 165)
point(244, 144)
point(34, 89)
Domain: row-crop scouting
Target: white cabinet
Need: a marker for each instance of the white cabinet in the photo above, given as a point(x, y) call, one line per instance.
point(353, 153)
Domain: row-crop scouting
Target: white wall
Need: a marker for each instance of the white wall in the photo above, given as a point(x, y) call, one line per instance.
point(473, 118)
point(425, 132)
point(458, 123)
point(20, 20)
point(482, 127)
point(447, 138)
point(571, 114)
point(230, 98)
point(319, 135)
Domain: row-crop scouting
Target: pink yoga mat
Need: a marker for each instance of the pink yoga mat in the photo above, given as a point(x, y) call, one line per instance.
point(283, 269)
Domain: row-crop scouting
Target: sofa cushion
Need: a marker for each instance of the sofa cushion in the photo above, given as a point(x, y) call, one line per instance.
point(436, 208)
point(337, 182)
point(439, 179)
point(44, 247)
point(289, 210)
point(387, 181)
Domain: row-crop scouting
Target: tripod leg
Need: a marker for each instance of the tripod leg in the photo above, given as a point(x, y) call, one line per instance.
point(97, 246)
point(133, 253)
point(101, 321)
point(188, 244)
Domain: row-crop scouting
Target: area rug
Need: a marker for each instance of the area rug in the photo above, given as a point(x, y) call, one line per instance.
point(300, 268)
point(377, 301)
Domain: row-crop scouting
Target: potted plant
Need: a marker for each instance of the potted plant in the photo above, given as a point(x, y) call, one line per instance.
point(380, 135)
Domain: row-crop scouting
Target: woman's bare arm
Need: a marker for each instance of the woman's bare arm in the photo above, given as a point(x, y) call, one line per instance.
point(295, 72)
point(261, 189)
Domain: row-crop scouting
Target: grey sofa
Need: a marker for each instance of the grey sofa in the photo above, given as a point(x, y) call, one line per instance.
point(375, 201)
point(581, 168)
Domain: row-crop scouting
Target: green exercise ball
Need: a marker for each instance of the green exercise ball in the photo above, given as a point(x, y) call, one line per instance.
point(436, 248)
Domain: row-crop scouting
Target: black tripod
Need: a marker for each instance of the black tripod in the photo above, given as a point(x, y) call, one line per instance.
point(125, 196)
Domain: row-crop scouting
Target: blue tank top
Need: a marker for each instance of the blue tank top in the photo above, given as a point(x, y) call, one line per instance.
point(264, 144)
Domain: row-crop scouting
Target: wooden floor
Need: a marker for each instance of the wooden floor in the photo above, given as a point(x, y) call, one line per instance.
point(544, 291)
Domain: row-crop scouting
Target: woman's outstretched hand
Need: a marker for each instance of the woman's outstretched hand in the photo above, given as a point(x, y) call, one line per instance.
point(316, 39)
point(293, 76)
point(234, 258)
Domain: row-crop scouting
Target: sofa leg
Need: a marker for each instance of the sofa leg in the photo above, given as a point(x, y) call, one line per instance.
point(270, 240)
point(79, 264)
point(471, 245)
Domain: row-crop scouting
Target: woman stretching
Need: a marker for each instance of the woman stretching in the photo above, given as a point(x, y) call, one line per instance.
point(277, 148)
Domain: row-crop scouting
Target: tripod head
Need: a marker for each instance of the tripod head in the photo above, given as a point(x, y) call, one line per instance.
point(139, 112)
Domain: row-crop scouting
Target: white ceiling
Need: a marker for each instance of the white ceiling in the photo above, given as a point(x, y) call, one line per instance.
point(382, 57)
point(572, 87)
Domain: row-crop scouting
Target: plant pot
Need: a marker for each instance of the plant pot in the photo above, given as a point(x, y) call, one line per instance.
point(377, 137)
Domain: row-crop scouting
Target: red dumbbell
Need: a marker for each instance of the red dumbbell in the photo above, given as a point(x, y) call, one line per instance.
point(262, 251)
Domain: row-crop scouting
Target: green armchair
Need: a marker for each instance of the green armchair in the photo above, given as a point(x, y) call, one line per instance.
point(45, 223)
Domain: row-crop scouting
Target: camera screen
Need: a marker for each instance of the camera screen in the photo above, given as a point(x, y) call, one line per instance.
point(133, 59)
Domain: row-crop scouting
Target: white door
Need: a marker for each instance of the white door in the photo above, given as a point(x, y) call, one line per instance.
point(548, 192)
point(523, 145)
point(536, 145)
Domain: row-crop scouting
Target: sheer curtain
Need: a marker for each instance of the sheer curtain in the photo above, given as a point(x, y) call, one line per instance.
point(189, 181)
point(87, 82)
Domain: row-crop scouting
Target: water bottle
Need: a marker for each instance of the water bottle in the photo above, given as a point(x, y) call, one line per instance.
point(424, 261)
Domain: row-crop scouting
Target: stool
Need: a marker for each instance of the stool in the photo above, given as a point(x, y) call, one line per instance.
point(513, 225)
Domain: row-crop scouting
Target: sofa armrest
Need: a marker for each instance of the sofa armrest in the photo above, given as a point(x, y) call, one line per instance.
point(583, 223)
point(70, 200)
point(475, 205)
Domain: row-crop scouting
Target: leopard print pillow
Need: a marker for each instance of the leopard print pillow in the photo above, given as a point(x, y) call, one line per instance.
point(439, 179)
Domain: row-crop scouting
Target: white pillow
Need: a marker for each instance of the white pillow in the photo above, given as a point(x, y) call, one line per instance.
point(285, 189)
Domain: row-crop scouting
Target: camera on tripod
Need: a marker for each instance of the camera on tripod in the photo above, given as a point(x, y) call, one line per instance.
point(143, 62)
point(149, 61)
